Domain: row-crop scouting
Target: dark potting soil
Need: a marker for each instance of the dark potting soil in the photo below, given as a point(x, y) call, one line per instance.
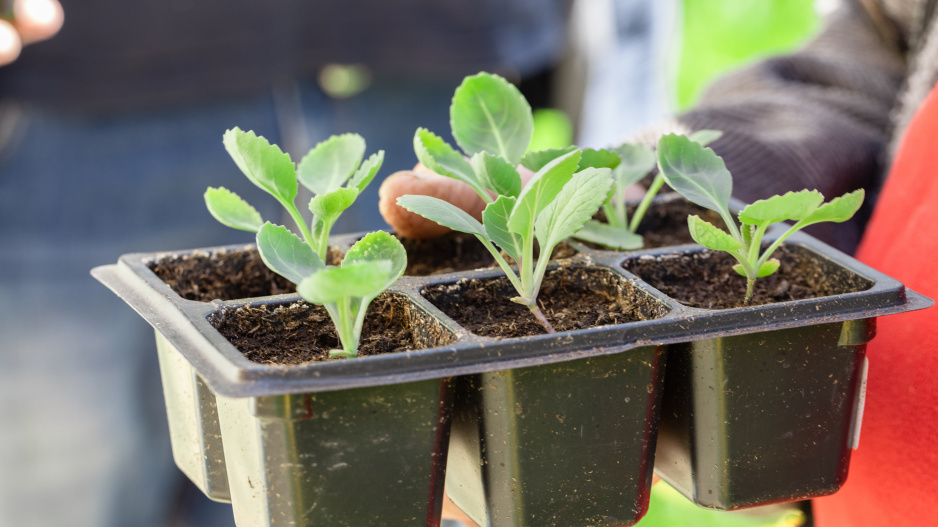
point(224, 275)
point(456, 252)
point(665, 222)
point(571, 298)
point(303, 332)
point(706, 279)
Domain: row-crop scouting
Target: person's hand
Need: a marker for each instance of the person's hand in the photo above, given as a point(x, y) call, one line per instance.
point(33, 20)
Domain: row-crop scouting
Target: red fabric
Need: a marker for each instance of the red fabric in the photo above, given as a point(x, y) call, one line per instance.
point(893, 478)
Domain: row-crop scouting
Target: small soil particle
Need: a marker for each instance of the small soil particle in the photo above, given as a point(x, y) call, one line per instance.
point(705, 279)
point(571, 298)
point(303, 332)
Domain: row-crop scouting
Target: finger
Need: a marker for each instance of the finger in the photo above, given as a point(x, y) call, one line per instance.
point(421, 181)
point(452, 512)
point(10, 44)
point(37, 19)
point(634, 192)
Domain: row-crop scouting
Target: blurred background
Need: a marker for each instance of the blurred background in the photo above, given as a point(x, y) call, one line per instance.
point(111, 129)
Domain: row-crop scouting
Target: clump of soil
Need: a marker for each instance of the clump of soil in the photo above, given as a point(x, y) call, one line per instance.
point(456, 252)
point(706, 279)
point(665, 222)
point(225, 275)
point(303, 332)
point(571, 298)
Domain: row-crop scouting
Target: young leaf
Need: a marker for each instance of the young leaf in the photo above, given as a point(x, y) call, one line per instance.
point(591, 158)
point(489, 114)
point(789, 206)
point(536, 160)
point(329, 164)
point(495, 221)
point(766, 269)
point(541, 190)
point(495, 174)
point(705, 137)
point(711, 237)
point(439, 157)
point(576, 203)
point(637, 161)
point(837, 210)
point(609, 236)
point(331, 205)
point(695, 172)
point(332, 284)
point(229, 209)
point(285, 254)
point(379, 246)
point(442, 212)
point(264, 164)
point(367, 171)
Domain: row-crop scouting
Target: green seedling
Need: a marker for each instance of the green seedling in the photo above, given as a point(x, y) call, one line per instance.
point(371, 266)
point(699, 175)
point(333, 171)
point(636, 162)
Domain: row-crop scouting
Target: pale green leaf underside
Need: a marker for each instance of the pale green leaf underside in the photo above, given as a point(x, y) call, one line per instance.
point(609, 236)
point(541, 190)
point(286, 254)
point(838, 209)
point(229, 209)
point(495, 221)
point(379, 246)
point(705, 137)
point(536, 160)
point(711, 236)
point(637, 161)
point(789, 206)
point(437, 155)
point(329, 164)
point(489, 114)
point(496, 174)
point(766, 269)
point(442, 212)
point(262, 163)
point(576, 203)
point(695, 172)
point(590, 158)
point(329, 206)
point(332, 284)
point(367, 171)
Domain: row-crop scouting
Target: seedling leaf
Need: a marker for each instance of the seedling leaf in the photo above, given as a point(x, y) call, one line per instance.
point(329, 164)
point(442, 212)
point(591, 158)
point(437, 155)
point(330, 206)
point(496, 174)
point(286, 254)
point(789, 206)
point(837, 210)
point(332, 284)
point(610, 236)
point(541, 190)
point(637, 161)
point(229, 209)
point(489, 114)
point(695, 172)
point(705, 137)
point(495, 221)
point(536, 160)
point(710, 236)
point(379, 246)
point(573, 207)
point(766, 269)
point(367, 171)
point(262, 163)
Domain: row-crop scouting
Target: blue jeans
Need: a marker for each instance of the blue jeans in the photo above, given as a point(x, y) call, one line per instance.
point(83, 437)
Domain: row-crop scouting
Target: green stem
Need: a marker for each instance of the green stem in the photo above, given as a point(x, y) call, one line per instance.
point(524, 266)
point(540, 317)
point(755, 243)
point(750, 289)
point(639, 213)
point(612, 215)
point(772, 248)
point(503, 264)
point(300, 223)
point(345, 326)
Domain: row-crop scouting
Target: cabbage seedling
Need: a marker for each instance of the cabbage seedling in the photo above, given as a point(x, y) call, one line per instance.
point(699, 175)
point(333, 170)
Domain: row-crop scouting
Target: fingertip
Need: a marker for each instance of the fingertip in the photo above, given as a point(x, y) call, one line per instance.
point(10, 45)
point(37, 20)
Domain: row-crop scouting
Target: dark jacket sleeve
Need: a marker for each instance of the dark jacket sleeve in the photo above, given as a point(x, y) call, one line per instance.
point(817, 119)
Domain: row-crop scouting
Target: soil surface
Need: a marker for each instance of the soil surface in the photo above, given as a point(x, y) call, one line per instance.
point(225, 275)
point(665, 223)
point(456, 252)
point(706, 279)
point(303, 332)
point(571, 298)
